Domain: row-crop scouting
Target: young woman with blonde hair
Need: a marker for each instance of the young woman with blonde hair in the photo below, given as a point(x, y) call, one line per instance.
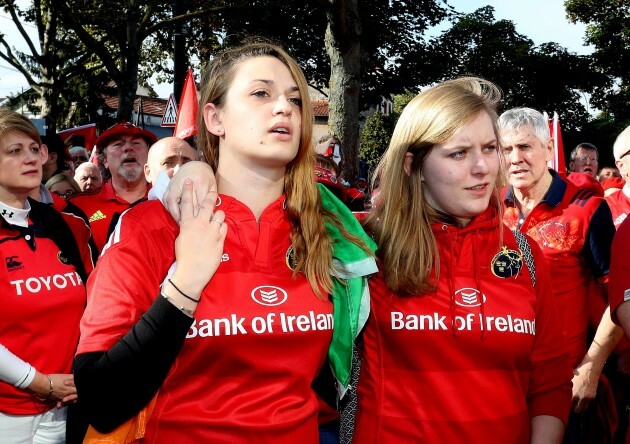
point(462, 343)
point(254, 274)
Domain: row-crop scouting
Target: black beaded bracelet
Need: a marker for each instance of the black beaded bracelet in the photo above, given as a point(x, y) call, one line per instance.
point(182, 293)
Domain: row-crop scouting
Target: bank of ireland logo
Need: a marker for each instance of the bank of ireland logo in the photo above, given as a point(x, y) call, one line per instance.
point(469, 297)
point(269, 296)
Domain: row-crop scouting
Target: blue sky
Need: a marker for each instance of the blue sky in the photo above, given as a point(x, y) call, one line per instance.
point(540, 20)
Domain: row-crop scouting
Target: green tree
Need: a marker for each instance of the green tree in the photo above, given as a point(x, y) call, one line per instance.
point(119, 33)
point(547, 77)
point(375, 138)
point(378, 130)
point(608, 30)
point(50, 63)
point(361, 59)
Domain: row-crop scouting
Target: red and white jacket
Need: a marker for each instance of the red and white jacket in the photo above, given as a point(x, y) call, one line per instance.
point(471, 362)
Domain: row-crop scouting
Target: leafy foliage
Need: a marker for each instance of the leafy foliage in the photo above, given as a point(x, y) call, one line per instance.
point(375, 138)
point(378, 130)
point(547, 77)
point(52, 62)
point(608, 31)
point(389, 30)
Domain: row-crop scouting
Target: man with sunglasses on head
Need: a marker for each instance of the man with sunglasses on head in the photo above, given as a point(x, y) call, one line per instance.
point(123, 149)
point(619, 202)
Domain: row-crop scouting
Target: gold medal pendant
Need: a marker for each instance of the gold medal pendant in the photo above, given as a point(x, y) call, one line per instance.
point(291, 259)
point(507, 263)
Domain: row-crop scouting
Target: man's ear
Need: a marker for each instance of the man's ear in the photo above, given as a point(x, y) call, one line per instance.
point(212, 119)
point(549, 150)
point(105, 164)
point(147, 172)
point(43, 149)
point(50, 156)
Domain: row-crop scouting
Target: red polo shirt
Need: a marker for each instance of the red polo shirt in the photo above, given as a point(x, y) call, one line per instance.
point(103, 208)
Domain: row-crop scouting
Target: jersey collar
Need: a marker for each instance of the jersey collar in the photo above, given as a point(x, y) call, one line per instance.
point(15, 216)
point(552, 197)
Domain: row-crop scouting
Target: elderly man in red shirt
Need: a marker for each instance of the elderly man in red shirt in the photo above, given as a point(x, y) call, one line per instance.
point(574, 230)
point(124, 148)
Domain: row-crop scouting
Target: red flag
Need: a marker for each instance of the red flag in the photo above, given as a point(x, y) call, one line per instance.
point(88, 132)
point(557, 163)
point(186, 124)
point(93, 157)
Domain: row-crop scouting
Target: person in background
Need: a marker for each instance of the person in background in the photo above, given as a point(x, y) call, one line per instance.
point(574, 229)
point(620, 202)
point(59, 160)
point(260, 262)
point(584, 159)
point(168, 154)
point(62, 185)
point(42, 296)
point(608, 172)
point(328, 169)
point(88, 176)
point(124, 148)
point(79, 155)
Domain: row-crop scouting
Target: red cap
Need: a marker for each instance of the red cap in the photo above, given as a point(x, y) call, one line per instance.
point(123, 128)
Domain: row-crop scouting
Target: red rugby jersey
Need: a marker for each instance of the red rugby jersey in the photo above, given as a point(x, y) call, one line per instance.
point(560, 225)
point(258, 340)
point(42, 299)
point(431, 374)
point(102, 207)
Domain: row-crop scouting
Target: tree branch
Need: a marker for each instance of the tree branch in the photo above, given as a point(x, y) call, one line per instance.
point(317, 88)
point(18, 24)
point(90, 42)
point(79, 65)
point(202, 12)
point(147, 15)
point(10, 58)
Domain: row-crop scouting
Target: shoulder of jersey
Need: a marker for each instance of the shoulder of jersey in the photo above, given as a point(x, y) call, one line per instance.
point(584, 196)
point(149, 212)
point(84, 194)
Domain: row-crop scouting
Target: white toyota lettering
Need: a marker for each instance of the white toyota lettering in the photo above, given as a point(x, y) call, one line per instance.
point(35, 284)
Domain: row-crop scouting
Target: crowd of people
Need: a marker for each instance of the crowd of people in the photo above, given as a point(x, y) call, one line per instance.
point(221, 289)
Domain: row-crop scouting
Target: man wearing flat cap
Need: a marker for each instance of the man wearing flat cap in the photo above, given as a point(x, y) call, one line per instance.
point(124, 148)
